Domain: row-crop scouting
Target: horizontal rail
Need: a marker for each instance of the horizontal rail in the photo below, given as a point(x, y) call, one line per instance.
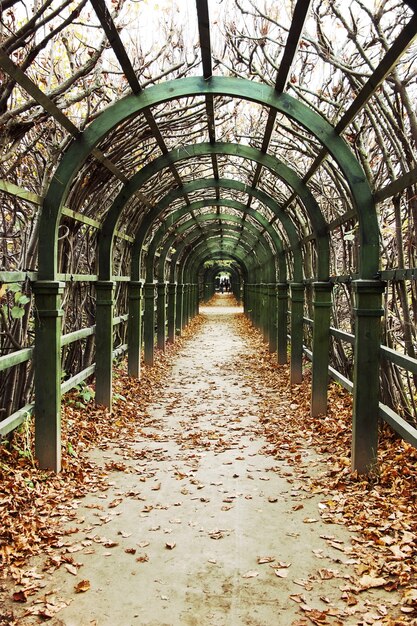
point(402, 360)
point(77, 334)
point(18, 417)
point(15, 419)
point(77, 378)
point(15, 358)
point(403, 428)
point(120, 319)
point(407, 431)
point(21, 277)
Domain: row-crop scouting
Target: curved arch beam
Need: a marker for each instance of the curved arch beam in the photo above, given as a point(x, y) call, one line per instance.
point(201, 219)
point(191, 257)
point(278, 168)
point(194, 239)
point(285, 220)
point(240, 88)
point(210, 247)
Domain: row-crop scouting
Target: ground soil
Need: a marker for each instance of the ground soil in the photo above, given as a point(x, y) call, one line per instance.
point(198, 525)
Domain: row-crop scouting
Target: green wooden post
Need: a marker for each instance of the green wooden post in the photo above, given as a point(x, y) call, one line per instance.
point(104, 342)
point(47, 367)
point(172, 306)
point(161, 315)
point(179, 309)
point(265, 311)
point(186, 305)
point(273, 311)
point(149, 324)
point(282, 321)
point(196, 300)
point(297, 312)
point(134, 328)
point(321, 338)
point(246, 299)
point(256, 289)
point(368, 312)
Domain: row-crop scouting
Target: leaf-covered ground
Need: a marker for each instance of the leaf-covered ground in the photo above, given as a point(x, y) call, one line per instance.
point(36, 506)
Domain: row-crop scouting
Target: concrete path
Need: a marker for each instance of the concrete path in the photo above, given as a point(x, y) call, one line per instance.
point(199, 526)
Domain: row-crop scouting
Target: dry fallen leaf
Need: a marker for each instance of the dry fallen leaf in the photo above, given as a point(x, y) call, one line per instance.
point(71, 569)
point(115, 503)
point(281, 572)
point(265, 559)
point(250, 574)
point(170, 545)
point(19, 596)
point(369, 582)
point(82, 586)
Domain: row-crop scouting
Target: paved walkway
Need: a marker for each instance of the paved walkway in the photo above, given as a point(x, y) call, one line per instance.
point(199, 526)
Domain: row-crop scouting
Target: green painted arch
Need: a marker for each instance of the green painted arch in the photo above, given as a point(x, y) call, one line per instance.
point(208, 274)
point(242, 260)
point(240, 88)
point(214, 236)
point(279, 169)
point(199, 256)
point(192, 226)
point(239, 267)
point(211, 245)
point(310, 203)
point(287, 224)
point(165, 228)
point(223, 228)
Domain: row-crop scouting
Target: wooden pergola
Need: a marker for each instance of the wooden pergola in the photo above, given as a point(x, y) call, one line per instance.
point(213, 217)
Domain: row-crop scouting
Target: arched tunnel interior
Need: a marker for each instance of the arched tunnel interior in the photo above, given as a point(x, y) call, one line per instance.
point(223, 167)
point(208, 303)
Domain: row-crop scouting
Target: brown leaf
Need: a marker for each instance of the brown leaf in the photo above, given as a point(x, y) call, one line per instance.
point(170, 545)
point(265, 559)
point(82, 586)
point(115, 503)
point(71, 568)
point(370, 582)
point(19, 596)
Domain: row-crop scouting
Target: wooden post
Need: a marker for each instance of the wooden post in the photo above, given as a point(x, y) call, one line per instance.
point(297, 312)
point(149, 323)
point(321, 337)
point(135, 328)
point(104, 342)
point(282, 321)
point(161, 315)
point(179, 309)
point(172, 305)
point(47, 367)
point(368, 312)
point(272, 314)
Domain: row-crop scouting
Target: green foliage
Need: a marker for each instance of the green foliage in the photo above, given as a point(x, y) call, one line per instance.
point(17, 311)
